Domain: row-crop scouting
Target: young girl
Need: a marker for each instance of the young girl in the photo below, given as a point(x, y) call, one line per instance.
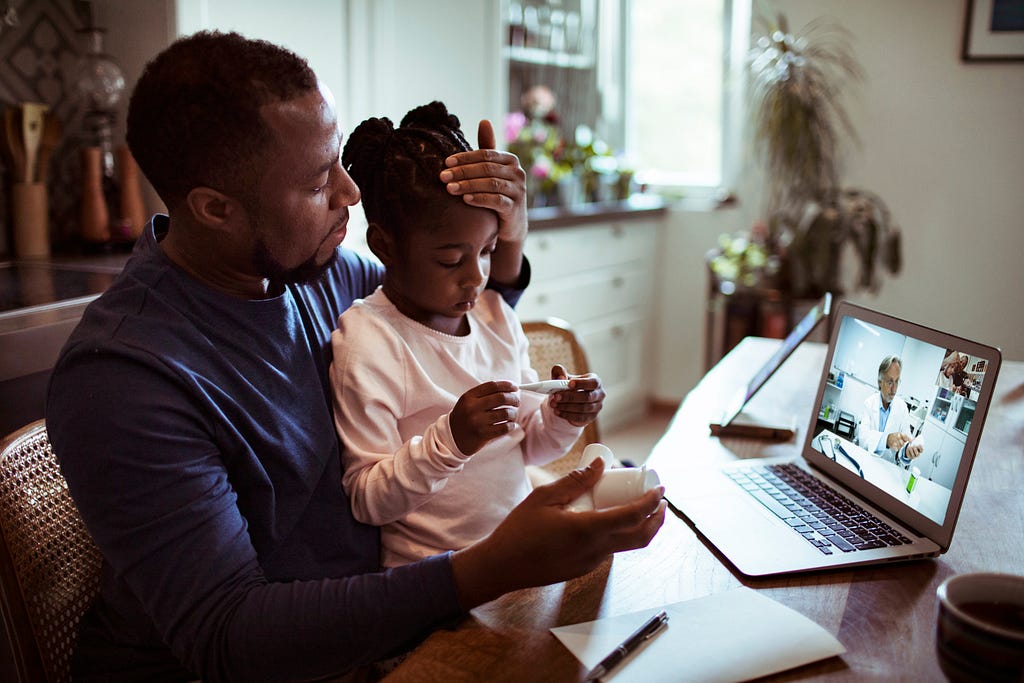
point(436, 434)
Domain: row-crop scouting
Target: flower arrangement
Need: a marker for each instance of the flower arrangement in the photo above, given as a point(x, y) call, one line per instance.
point(559, 171)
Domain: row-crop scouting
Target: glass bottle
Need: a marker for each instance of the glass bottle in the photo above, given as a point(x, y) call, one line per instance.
point(100, 82)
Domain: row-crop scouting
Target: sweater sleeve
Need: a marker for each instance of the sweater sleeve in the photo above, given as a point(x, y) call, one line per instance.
point(384, 476)
point(512, 294)
point(156, 496)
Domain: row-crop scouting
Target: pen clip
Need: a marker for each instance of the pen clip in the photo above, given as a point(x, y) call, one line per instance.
point(662, 622)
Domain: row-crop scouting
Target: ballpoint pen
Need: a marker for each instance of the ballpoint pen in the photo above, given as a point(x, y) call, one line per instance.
point(645, 632)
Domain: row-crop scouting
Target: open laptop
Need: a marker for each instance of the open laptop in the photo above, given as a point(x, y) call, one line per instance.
point(731, 423)
point(753, 511)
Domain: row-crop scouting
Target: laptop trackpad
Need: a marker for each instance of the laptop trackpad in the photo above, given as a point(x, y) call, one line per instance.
point(753, 539)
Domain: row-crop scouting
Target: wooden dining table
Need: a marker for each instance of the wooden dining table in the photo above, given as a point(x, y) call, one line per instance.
point(884, 616)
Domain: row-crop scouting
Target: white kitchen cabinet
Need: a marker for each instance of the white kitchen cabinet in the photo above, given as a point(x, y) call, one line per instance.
point(943, 449)
point(599, 277)
point(933, 434)
point(951, 450)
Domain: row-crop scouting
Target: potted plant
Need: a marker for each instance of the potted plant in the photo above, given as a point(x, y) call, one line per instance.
point(562, 171)
point(799, 128)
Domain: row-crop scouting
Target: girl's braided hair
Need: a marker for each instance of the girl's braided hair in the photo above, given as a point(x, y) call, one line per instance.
point(397, 169)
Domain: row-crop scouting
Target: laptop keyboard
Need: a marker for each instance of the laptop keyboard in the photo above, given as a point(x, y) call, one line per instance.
point(826, 519)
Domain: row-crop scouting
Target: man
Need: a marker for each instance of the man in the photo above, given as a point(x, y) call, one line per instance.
point(885, 420)
point(190, 408)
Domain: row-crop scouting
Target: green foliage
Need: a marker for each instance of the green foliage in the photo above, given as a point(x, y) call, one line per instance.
point(799, 118)
point(742, 259)
point(800, 126)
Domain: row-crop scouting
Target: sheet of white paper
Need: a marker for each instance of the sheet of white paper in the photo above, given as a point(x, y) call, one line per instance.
point(734, 636)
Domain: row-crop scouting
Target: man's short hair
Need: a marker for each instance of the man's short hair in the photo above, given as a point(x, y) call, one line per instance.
point(194, 116)
point(886, 363)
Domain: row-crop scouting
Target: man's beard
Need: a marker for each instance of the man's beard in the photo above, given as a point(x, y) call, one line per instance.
point(305, 273)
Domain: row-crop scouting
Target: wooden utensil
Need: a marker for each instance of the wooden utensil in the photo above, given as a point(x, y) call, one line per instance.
point(12, 139)
point(30, 219)
point(5, 148)
point(94, 216)
point(52, 132)
point(32, 134)
point(132, 213)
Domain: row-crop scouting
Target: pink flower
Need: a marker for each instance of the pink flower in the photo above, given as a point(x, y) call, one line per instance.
point(538, 101)
point(514, 124)
point(541, 167)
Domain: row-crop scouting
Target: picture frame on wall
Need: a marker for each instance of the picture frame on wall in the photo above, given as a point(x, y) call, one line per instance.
point(993, 31)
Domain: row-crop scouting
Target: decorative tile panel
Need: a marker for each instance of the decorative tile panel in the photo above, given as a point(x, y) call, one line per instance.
point(38, 55)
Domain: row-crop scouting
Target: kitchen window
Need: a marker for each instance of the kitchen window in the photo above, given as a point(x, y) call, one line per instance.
point(679, 110)
point(659, 81)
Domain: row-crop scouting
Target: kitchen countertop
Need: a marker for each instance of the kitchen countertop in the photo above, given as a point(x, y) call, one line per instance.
point(637, 206)
point(27, 284)
point(41, 291)
point(36, 286)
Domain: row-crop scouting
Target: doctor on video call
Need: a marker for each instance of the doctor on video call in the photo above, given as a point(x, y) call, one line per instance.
point(884, 425)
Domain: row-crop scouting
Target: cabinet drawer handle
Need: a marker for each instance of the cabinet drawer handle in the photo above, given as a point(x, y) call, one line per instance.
point(618, 331)
point(542, 299)
point(543, 245)
point(618, 282)
point(618, 230)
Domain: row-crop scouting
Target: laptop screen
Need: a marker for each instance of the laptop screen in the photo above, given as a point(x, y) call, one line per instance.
point(900, 406)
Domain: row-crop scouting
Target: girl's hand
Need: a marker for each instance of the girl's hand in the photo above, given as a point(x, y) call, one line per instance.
point(484, 413)
point(582, 401)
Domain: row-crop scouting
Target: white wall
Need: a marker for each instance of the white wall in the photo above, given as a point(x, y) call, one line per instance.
point(379, 57)
point(942, 142)
point(310, 28)
point(137, 31)
point(409, 52)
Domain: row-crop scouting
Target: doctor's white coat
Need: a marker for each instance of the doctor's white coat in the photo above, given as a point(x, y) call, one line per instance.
point(870, 437)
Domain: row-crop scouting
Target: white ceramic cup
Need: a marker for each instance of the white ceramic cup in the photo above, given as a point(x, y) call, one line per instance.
point(980, 630)
point(618, 485)
point(622, 485)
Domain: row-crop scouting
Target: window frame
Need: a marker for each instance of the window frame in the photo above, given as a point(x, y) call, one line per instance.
point(614, 89)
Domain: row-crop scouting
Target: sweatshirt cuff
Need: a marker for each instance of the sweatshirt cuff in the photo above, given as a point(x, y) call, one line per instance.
point(446, 441)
